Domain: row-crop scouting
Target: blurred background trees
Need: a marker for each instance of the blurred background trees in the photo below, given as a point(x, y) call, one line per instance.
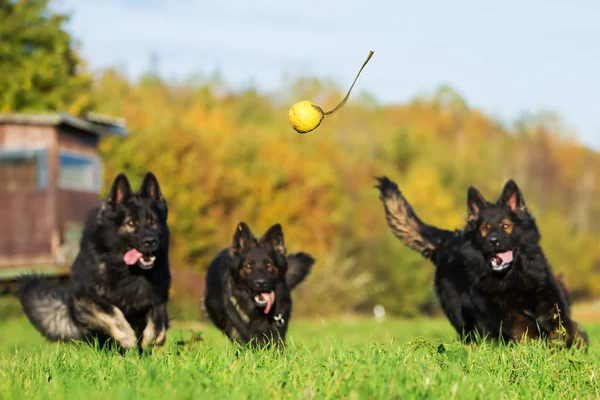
point(224, 156)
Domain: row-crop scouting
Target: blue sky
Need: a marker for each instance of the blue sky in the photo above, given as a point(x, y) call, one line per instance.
point(506, 57)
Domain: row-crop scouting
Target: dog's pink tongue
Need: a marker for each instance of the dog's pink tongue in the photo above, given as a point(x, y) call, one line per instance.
point(270, 300)
point(506, 257)
point(132, 257)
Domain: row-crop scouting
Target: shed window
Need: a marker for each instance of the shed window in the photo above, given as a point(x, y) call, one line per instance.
point(22, 170)
point(79, 172)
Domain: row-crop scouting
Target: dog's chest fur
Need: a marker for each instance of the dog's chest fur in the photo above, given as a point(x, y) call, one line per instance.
point(131, 289)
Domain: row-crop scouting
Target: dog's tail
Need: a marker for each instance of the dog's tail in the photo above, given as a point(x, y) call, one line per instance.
point(405, 224)
point(47, 305)
point(299, 266)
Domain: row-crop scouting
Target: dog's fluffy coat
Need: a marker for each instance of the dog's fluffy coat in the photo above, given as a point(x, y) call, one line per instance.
point(243, 275)
point(492, 278)
point(119, 286)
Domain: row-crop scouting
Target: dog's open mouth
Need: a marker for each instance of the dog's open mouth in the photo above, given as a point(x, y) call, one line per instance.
point(265, 300)
point(501, 261)
point(145, 261)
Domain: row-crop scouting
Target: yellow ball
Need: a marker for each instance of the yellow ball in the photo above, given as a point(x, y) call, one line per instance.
point(305, 116)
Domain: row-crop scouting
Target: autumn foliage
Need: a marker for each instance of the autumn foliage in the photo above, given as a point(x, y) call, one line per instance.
point(224, 156)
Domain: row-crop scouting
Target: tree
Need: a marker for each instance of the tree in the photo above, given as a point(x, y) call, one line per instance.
point(39, 67)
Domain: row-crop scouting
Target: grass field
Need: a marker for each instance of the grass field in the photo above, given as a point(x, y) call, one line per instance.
point(352, 359)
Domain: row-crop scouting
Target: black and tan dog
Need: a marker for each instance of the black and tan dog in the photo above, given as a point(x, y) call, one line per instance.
point(492, 278)
point(248, 287)
point(119, 286)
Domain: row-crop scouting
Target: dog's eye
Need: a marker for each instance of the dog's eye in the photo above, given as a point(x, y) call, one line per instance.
point(269, 266)
point(131, 223)
point(485, 228)
point(506, 225)
point(153, 221)
point(248, 267)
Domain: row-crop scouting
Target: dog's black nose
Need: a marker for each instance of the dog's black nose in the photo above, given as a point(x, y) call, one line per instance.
point(150, 242)
point(494, 241)
point(261, 285)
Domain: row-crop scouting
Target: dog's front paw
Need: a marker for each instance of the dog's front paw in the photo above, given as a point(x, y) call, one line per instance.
point(161, 338)
point(151, 336)
point(126, 338)
point(119, 328)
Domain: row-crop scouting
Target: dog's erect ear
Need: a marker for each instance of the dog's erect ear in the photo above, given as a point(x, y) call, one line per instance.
point(274, 238)
point(242, 239)
point(150, 188)
point(475, 203)
point(512, 197)
point(120, 190)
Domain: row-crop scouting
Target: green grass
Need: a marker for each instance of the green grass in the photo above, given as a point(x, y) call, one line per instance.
point(352, 359)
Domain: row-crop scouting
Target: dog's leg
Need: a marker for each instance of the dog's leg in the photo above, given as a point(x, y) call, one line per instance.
point(560, 326)
point(554, 316)
point(579, 338)
point(101, 316)
point(155, 332)
point(574, 335)
point(566, 329)
point(236, 326)
point(523, 328)
point(272, 336)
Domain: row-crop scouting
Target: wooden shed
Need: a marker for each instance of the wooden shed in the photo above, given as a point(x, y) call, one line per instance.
point(50, 176)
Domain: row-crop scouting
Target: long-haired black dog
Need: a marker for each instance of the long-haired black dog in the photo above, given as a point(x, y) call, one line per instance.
point(248, 287)
point(492, 278)
point(119, 286)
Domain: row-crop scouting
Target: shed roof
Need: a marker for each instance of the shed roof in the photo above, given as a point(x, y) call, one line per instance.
point(98, 124)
